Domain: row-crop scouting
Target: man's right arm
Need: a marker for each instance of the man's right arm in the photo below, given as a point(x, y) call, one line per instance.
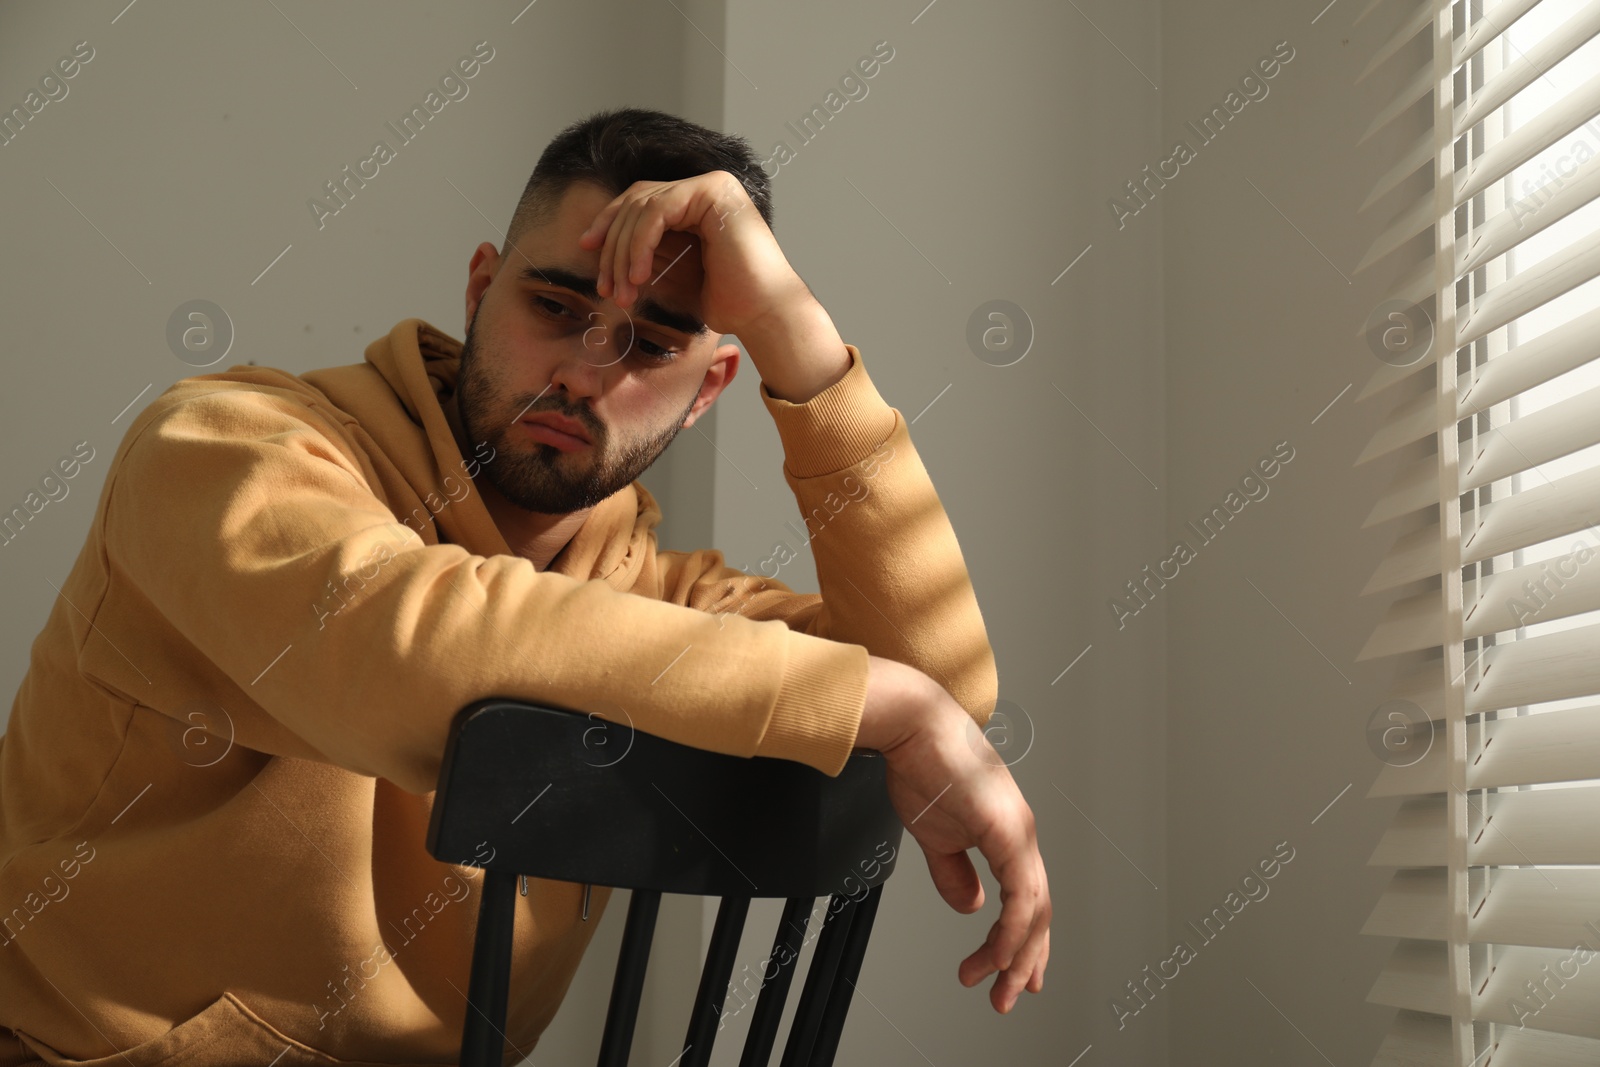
point(249, 560)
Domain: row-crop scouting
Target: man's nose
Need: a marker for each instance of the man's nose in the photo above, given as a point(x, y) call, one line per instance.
point(608, 340)
point(593, 355)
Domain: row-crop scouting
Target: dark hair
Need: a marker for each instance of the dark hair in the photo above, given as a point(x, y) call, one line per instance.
point(615, 148)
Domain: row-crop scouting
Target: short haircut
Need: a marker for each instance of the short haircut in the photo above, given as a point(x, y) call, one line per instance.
point(615, 148)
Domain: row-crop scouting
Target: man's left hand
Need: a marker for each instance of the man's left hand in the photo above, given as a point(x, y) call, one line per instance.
point(747, 279)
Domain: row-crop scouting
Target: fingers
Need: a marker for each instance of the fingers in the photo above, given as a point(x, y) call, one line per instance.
point(596, 231)
point(607, 227)
point(606, 282)
point(1027, 967)
point(1024, 970)
point(1017, 947)
point(602, 222)
point(623, 253)
point(1020, 898)
point(620, 256)
point(976, 967)
point(632, 232)
point(956, 879)
point(1036, 983)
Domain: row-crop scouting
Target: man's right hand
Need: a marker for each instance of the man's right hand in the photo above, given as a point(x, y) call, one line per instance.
point(954, 792)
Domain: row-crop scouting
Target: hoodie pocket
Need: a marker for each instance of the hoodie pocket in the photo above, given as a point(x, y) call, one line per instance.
point(225, 1034)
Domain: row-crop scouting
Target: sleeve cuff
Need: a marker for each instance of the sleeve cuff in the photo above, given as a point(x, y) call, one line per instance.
point(817, 715)
point(835, 429)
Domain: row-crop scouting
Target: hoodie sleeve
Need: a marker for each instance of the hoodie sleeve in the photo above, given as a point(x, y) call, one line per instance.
point(238, 520)
point(892, 576)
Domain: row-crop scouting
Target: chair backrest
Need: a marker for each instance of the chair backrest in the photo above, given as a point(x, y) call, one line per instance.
point(562, 795)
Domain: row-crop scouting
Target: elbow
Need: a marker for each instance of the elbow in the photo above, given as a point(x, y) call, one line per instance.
point(416, 773)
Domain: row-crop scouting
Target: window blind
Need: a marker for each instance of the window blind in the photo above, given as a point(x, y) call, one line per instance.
point(1491, 736)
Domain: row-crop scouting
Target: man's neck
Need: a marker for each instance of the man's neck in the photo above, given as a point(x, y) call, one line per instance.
point(533, 535)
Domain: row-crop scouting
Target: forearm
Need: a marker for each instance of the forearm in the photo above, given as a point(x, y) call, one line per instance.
point(797, 350)
point(363, 642)
point(892, 572)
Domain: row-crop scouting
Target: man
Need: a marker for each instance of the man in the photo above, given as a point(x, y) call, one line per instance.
point(219, 768)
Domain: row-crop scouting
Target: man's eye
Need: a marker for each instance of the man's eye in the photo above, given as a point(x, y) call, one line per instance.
point(649, 349)
point(654, 351)
point(555, 307)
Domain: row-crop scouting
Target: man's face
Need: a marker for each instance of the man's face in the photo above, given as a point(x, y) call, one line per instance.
point(535, 345)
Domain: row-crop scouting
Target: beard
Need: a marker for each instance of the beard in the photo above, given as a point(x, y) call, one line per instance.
point(534, 475)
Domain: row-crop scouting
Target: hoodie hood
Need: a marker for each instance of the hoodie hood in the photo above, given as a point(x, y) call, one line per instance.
point(398, 395)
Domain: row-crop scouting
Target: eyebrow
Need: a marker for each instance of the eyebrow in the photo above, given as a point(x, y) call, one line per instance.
point(645, 307)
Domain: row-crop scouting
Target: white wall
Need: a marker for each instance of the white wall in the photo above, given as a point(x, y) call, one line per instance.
point(1267, 706)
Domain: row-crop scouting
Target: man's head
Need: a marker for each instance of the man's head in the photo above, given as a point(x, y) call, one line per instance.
point(541, 340)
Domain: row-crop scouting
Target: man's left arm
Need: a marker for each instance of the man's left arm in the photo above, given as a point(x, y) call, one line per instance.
point(891, 573)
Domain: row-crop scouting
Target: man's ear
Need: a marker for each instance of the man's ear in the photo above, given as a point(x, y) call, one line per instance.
point(481, 270)
point(724, 365)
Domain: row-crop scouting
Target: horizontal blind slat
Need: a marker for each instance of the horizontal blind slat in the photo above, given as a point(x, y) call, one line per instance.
point(1414, 487)
point(1535, 439)
point(1552, 746)
point(1535, 670)
point(1528, 289)
point(1412, 905)
point(1551, 354)
point(1420, 85)
point(1528, 826)
point(1563, 586)
point(1530, 64)
point(1429, 774)
point(1523, 907)
point(1529, 139)
point(1573, 1007)
point(1411, 420)
point(1539, 908)
point(1532, 214)
point(1416, 836)
point(1405, 165)
point(1415, 288)
point(1530, 364)
point(1551, 509)
point(1490, 25)
point(1416, 219)
point(1527, 1047)
point(1417, 977)
point(1420, 18)
point(1554, 509)
point(1415, 1039)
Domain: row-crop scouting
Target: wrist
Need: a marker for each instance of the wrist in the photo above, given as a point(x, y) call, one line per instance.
point(797, 350)
point(900, 702)
point(782, 315)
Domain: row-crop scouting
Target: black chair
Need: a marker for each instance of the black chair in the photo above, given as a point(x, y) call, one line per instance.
point(561, 795)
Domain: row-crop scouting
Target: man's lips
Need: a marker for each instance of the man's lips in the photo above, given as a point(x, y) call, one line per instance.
point(563, 433)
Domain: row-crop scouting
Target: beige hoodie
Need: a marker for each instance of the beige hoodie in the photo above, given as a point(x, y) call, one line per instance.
point(218, 770)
